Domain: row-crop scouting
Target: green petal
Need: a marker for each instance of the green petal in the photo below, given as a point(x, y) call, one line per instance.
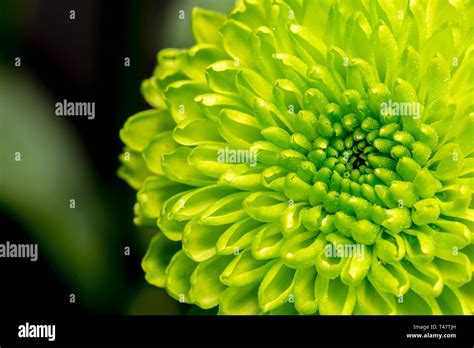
point(299, 251)
point(388, 49)
point(456, 268)
point(304, 289)
point(425, 211)
point(397, 219)
point(357, 267)
point(287, 308)
point(274, 178)
point(294, 69)
point(194, 63)
point(236, 36)
point(157, 258)
point(245, 177)
point(209, 159)
point(295, 188)
point(451, 302)
point(244, 270)
point(290, 219)
point(180, 97)
point(414, 304)
point(315, 101)
point(133, 169)
point(152, 93)
point(264, 45)
point(266, 152)
point(372, 301)
point(467, 292)
point(457, 228)
point(334, 297)
point(321, 79)
point(311, 218)
point(227, 210)
point(191, 132)
point(309, 46)
point(206, 288)
point(451, 161)
point(170, 227)
point(402, 191)
point(238, 128)
point(265, 206)
point(389, 247)
point(419, 246)
point(238, 237)
point(383, 195)
point(199, 241)
point(344, 223)
point(387, 277)
point(425, 279)
point(140, 128)
point(240, 301)
point(358, 32)
point(426, 184)
point(329, 262)
point(154, 191)
point(268, 242)
point(206, 25)
point(195, 202)
point(277, 136)
point(365, 232)
point(156, 148)
point(176, 167)
point(276, 287)
point(141, 220)
point(178, 274)
point(221, 76)
point(251, 85)
point(212, 104)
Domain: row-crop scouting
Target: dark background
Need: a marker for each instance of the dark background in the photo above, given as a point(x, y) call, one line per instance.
point(83, 60)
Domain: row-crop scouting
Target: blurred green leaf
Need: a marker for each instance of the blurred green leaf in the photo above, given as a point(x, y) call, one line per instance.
point(37, 190)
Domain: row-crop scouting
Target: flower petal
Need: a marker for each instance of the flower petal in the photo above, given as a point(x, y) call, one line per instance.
point(206, 288)
point(176, 167)
point(240, 300)
point(140, 128)
point(192, 132)
point(276, 287)
point(195, 202)
point(238, 237)
point(244, 270)
point(178, 274)
point(206, 25)
point(159, 145)
point(154, 191)
point(199, 241)
point(334, 297)
point(268, 242)
point(157, 258)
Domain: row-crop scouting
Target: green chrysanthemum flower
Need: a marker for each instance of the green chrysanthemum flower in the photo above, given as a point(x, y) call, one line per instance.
point(312, 156)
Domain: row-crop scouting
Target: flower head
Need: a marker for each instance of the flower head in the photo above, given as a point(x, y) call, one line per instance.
point(312, 157)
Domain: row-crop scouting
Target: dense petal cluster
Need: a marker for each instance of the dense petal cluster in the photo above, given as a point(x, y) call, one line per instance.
point(312, 157)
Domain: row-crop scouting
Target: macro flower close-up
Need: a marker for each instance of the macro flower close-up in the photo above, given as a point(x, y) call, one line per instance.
point(311, 157)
